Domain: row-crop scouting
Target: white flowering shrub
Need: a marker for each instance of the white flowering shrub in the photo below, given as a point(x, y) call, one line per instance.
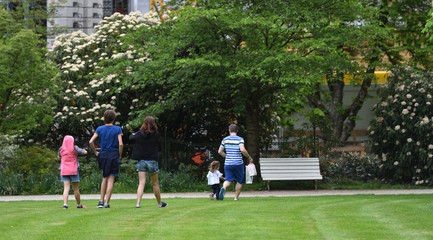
point(8, 150)
point(87, 91)
point(402, 132)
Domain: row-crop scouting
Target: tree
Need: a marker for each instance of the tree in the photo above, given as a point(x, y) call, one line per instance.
point(408, 45)
point(428, 29)
point(392, 37)
point(87, 91)
point(246, 59)
point(27, 79)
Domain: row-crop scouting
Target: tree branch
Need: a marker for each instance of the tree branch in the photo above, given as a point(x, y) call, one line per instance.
point(356, 105)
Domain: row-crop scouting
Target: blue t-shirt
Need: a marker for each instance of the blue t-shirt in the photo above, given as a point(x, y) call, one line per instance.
point(233, 152)
point(107, 135)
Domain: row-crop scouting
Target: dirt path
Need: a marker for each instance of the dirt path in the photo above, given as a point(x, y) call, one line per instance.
point(229, 194)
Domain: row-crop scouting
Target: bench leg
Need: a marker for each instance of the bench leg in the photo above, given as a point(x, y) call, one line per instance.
point(269, 187)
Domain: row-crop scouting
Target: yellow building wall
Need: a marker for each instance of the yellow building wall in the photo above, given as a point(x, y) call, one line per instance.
point(381, 77)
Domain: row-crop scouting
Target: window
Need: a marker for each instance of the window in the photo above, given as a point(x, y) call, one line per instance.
point(76, 4)
point(76, 15)
point(77, 25)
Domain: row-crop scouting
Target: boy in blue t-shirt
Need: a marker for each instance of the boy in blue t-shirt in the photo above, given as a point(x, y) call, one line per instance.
point(111, 144)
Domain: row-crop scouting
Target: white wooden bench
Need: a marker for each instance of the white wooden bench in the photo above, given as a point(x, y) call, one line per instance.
point(290, 169)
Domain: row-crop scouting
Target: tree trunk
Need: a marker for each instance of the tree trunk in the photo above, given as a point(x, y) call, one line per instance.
point(253, 138)
point(343, 120)
point(336, 87)
point(356, 105)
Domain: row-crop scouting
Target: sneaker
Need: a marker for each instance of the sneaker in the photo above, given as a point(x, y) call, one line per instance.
point(211, 196)
point(163, 204)
point(222, 192)
point(100, 205)
point(138, 206)
point(81, 206)
point(236, 199)
point(65, 206)
point(107, 206)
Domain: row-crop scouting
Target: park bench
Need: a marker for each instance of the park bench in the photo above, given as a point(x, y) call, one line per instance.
point(290, 169)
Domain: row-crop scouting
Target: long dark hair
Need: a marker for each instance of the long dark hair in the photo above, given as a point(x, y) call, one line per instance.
point(149, 125)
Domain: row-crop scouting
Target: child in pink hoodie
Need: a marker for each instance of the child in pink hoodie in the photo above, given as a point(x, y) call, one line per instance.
point(68, 153)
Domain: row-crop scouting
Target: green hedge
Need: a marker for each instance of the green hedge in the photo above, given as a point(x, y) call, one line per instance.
point(182, 180)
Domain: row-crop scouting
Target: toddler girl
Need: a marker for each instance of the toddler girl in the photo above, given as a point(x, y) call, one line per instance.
point(213, 179)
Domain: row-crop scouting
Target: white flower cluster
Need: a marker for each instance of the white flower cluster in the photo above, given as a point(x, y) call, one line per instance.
point(111, 28)
point(88, 93)
point(402, 132)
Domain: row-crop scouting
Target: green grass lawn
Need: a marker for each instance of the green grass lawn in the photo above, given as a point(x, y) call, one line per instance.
point(323, 217)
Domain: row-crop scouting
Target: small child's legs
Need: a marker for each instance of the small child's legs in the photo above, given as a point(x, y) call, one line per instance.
point(66, 188)
point(216, 188)
point(76, 192)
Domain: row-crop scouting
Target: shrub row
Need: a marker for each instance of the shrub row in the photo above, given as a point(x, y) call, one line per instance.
point(49, 183)
point(350, 166)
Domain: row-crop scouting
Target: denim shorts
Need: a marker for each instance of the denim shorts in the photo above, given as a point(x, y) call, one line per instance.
point(72, 178)
point(234, 172)
point(148, 166)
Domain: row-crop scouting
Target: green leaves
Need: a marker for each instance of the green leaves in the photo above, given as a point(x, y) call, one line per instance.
point(28, 81)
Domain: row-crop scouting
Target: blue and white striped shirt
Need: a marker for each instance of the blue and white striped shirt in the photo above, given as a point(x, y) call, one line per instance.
point(233, 152)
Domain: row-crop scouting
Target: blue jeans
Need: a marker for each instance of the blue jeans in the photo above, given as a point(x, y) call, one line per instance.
point(147, 166)
point(72, 178)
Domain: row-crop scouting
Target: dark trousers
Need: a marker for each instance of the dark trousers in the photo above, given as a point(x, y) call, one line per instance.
point(216, 190)
point(109, 163)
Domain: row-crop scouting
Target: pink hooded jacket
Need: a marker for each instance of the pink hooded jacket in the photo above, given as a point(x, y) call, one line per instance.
point(69, 162)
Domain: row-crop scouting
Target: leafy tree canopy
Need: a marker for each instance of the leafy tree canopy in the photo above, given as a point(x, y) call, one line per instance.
point(27, 79)
point(249, 61)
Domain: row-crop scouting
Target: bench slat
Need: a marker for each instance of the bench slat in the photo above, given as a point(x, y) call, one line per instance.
point(290, 172)
point(264, 167)
point(288, 159)
point(294, 178)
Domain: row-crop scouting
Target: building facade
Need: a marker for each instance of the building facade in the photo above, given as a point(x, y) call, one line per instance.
point(84, 15)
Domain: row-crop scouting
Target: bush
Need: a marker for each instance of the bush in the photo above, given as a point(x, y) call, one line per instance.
point(401, 131)
point(90, 183)
point(350, 166)
point(11, 184)
point(33, 160)
point(16, 184)
point(8, 151)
